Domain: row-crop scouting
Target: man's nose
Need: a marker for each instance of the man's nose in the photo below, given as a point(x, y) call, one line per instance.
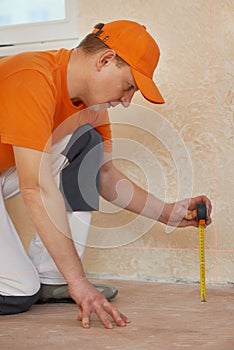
point(126, 99)
point(125, 104)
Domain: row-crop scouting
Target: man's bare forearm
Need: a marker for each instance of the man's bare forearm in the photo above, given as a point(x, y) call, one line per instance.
point(48, 214)
point(121, 191)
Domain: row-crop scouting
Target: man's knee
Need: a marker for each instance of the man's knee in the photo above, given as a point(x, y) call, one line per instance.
point(17, 304)
point(80, 179)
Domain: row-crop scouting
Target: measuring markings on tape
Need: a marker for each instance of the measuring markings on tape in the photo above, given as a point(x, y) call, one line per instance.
point(201, 217)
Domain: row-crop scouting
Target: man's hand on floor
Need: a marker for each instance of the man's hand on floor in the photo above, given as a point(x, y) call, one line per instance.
point(90, 300)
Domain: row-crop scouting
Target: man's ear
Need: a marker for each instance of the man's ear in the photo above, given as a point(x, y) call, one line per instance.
point(104, 58)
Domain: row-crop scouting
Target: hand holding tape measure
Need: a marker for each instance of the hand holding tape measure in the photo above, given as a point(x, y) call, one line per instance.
point(201, 217)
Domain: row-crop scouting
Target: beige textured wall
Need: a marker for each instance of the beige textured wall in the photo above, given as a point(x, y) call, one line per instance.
point(176, 150)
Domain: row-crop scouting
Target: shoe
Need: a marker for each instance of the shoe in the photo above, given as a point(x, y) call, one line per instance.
point(55, 293)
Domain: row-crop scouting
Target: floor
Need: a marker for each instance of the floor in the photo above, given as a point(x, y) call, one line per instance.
point(163, 317)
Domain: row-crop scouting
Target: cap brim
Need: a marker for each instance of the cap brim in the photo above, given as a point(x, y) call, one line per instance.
point(147, 87)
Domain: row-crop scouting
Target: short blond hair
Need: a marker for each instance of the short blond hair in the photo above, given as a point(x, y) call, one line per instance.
point(91, 45)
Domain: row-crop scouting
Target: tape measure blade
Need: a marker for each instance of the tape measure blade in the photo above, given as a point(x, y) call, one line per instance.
point(202, 263)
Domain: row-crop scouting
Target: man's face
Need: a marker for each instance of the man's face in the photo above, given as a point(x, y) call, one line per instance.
point(112, 84)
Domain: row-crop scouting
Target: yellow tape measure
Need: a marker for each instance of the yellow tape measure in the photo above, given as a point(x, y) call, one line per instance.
point(201, 217)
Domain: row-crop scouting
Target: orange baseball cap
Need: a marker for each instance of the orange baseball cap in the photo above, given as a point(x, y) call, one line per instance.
point(134, 45)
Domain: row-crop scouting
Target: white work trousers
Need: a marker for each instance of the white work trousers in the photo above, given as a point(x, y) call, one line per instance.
point(20, 273)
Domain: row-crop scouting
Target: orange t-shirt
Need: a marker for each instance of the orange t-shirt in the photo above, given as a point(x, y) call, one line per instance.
point(35, 105)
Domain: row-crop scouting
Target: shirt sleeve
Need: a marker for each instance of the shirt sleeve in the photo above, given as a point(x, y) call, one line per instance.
point(27, 108)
